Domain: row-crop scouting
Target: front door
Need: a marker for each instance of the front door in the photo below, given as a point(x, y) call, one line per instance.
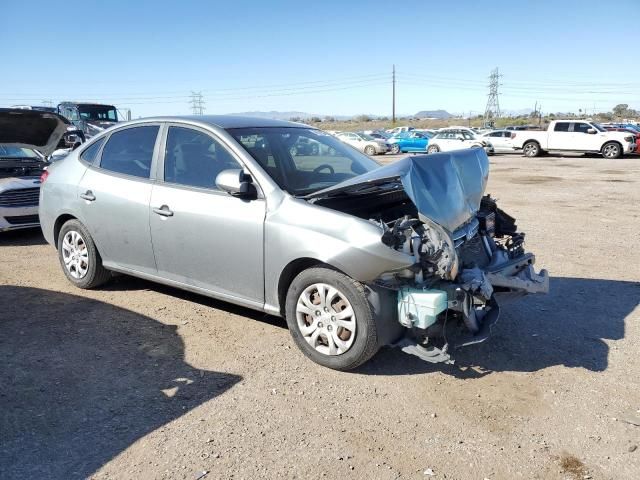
point(203, 237)
point(115, 196)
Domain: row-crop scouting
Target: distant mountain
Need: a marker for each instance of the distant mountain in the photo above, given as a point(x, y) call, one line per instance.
point(439, 114)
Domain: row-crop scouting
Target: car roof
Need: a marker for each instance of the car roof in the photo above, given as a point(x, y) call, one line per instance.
point(225, 121)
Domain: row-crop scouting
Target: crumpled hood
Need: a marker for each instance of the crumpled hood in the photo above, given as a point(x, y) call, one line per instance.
point(31, 129)
point(445, 187)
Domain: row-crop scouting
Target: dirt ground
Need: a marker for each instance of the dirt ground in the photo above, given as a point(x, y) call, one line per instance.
point(139, 381)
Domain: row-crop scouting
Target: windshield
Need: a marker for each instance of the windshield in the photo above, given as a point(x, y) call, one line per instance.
point(98, 112)
point(366, 136)
point(300, 160)
point(17, 152)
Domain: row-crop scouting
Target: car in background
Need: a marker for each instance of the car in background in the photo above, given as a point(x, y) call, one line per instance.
point(412, 141)
point(353, 255)
point(580, 136)
point(365, 143)
point(502, 140)
point(381, 134)
point(27, 138)
point(397, 130)
point(448, 139)
point(90, 118)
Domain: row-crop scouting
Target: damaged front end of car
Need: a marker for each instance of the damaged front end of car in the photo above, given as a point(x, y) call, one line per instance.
point(467, 255)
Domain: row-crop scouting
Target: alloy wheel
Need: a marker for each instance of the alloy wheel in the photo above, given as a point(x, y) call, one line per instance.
point(326, 319)
point(610, 151)
point(75, 254)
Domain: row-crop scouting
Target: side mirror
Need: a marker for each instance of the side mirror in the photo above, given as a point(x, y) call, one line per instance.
point(591, 131)
point(236, 183)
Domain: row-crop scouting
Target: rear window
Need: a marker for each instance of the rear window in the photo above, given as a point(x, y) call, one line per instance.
point(130, 151)
point(561, 127)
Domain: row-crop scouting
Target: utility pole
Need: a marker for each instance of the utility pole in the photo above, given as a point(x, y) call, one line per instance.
point(197, 103)
point(493, 103)
point(393, 95)
point(539, 116)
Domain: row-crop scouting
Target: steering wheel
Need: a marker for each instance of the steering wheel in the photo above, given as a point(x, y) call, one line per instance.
point(323, 166)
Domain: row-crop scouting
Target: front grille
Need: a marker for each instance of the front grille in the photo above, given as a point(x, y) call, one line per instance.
point(22, 219)
point(23, 197)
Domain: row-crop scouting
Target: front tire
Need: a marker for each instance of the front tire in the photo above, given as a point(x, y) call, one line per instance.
point(330, 319)
point(531, 149)
point(611, 150)
point(395, 149)
point(79, 257)
point(433, 149)
point(370, 150)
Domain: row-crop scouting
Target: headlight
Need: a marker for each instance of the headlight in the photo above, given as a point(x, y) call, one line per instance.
point(628, 139)
point(437, 238)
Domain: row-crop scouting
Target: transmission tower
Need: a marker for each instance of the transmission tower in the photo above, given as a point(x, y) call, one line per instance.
point(493, 103)
point(197, 103)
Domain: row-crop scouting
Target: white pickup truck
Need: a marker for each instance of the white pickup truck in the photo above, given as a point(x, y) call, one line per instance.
point(574, 136)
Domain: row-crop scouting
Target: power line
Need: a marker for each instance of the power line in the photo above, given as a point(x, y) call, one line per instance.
point(197, 103)
point(393, 96)
point(493, 102)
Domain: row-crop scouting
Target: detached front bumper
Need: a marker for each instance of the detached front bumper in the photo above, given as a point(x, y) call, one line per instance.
point(477, 299)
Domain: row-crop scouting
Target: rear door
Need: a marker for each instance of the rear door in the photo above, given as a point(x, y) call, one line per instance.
point(115, 194)
point(202, 236)
point(560, 138)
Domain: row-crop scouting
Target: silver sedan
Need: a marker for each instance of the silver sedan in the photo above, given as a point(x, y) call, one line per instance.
point(355, 256)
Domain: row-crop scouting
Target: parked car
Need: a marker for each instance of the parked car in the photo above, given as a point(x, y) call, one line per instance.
point(502, 140)
point(409, 142)
point(448, 139)
point(353, 255)
point(381, 134)
point(397, 130)
point(574, 136)
point(365, 143)
point(27, 137)
point(90, 118)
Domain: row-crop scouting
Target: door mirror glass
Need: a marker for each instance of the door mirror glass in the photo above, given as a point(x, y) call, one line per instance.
point(236, 183)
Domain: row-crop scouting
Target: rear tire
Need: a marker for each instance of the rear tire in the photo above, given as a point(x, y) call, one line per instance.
point(433, 149)
point(343, 295)
point(370, 150)
point(79, 257)
point(531, 149)
point(611, 150)
point(395, 149)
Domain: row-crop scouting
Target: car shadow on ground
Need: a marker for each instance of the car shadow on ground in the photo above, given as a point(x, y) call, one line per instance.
point(127, 283)
point(569, 326)
point(81, 380)
point(22, 238)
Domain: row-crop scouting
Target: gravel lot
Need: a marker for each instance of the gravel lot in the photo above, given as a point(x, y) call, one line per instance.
point(138, 380)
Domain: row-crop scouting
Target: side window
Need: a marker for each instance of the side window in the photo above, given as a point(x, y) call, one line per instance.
point(89, 155)
point(581, 127)
point(467, 135)
point(495, 134)
point(561, 127)
point(130, 151)
point(194, 158)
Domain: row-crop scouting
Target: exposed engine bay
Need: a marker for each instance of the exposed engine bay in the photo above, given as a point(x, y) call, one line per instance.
point(468, 273)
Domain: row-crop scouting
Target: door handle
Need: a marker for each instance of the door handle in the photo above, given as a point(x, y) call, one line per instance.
point(163, 211)
point(88, 195)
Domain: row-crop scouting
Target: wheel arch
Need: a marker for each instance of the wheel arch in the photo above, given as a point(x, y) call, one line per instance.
point(291, 271)
point(57, 226)
point(617, 142)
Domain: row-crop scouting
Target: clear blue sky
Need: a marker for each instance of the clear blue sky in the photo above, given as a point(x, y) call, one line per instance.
point(325, 57)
